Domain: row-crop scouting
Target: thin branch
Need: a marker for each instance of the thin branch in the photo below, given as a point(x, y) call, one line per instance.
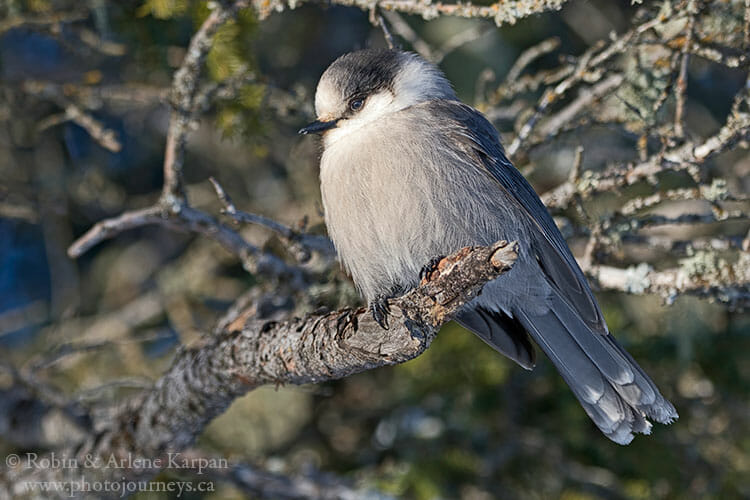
point(713, 193)
point(530, 55)
point(192, 220)
point(683, 247)
point(460, 39)
point(106, 138)
point(713, 53)
point(22, 212)
point(582, 71)
point(499, 12)
point(307, 242)
point(91, 96)
point(377, 19)
point(402, 29)
point(703, 275)
point(184, 89)
point(529, 83)
point(95, 42)
point(109, 228)
point(637, 223)
point(684, 157)
point(585, 98)
point(681, 86)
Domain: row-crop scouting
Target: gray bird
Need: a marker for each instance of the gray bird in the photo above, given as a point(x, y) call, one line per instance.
point(409, 173)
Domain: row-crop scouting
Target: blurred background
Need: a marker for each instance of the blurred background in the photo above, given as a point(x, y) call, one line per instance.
point(460, 421)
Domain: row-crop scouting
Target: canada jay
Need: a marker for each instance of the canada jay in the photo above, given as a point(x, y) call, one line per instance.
point(409, 173)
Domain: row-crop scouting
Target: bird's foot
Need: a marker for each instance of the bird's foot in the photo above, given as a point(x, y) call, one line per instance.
point(430, 267)
point(380, 310)
point(346, 319)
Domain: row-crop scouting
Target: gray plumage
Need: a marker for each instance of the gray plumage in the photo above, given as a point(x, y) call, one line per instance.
point(409, 173)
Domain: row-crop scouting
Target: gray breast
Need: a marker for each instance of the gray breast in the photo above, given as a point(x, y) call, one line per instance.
point(399, 192)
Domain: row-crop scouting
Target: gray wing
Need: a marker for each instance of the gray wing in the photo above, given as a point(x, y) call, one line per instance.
point(612, 388)
point(550, 247)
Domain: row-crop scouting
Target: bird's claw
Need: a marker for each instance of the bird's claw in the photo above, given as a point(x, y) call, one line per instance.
point(380, 311)
point(430, 267)
point(346, 319)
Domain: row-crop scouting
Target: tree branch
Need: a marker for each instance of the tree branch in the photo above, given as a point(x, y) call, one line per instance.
point(683, 157)
point(172, 209)
point(499, 12)
point(184, 90)
point(702, 275)
point(204, 379)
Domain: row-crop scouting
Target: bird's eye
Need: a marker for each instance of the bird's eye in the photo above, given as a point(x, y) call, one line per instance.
point(356, 104)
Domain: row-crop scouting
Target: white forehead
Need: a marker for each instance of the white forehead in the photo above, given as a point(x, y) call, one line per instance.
point(328, 99)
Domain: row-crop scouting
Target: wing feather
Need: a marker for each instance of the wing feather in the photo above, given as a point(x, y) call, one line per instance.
point(480, 138)
point(567, 324)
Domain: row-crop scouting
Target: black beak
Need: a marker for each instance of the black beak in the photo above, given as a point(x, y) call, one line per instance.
point(317, 127)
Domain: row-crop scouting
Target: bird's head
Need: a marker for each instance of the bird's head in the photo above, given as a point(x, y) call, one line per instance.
point(363, 86)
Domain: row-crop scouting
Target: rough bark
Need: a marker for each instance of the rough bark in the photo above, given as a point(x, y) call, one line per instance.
point(204, 379)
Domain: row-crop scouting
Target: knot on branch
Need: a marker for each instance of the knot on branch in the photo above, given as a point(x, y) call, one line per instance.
point(455, 281)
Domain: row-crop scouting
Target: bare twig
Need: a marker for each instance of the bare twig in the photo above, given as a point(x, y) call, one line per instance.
point(377, 19)
point(106, 138)
point(173, 209)
point(585, 98)
point(184, 89)
point(460, 39)
point(91, 96)
point(307, 242)
point(18, 211)
point(106, 47)
point(714, 53)
point(588, 60)
point(530, 55)
point(111, 227)
point(681, 86)
point(402, 29)
point(712, 193)
point(637, 223)
point(529, 83)
point(683, 157)
point(681, 247)
point(499, 12)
